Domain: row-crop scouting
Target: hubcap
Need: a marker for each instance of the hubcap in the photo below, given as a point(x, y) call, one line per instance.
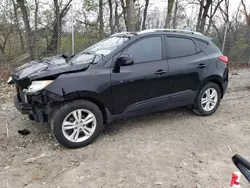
point(209, 99)
point(79, 125)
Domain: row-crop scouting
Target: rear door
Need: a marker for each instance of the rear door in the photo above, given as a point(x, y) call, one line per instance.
point(187, 63)
point(136, 87)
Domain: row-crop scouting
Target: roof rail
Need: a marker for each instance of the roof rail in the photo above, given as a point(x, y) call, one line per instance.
point(171, 30)
point(127, 34)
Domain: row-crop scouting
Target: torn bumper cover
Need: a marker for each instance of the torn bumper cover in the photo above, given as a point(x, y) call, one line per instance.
point(34, 113)
point(37, 107)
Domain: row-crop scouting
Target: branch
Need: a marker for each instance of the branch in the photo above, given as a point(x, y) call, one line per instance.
point(65, 9)
point(244, 6)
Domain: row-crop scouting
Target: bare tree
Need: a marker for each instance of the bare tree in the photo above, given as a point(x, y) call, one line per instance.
point(139, 9)
point(145, 14)
point(29, 33)
point(175, 14)
point(124, 12)
point(201, 4)
point(131, 16)
point(36, 25)
point(54, 44)
point(101, 26)
point(212, 13)
point(111, 25)
point(58, 25)
point(15, 8)
point(245, 12)
point(204, 16)
point(169, 13)
point(117, 16)
point(5, 30)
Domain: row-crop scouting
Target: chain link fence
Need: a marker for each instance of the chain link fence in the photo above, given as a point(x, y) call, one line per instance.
point(14, 48)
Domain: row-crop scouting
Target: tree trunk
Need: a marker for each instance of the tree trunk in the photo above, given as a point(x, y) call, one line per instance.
point(169, 13)
point(145, 15)
point(36, 23)
point(117, 25)
point(101, 26)
point(212, 13)
point(111, 25)
point(130, 14)
point(246, 14)
point(199, 16)
point(58, 26)
point(55, 42)
point(29, 34)
point(139, 19)
point(18, 26)
point(124, 11)
point(209, 22)
point(175, 14)
point(204, 15)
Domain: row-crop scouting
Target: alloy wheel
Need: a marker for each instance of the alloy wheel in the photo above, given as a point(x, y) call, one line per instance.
point(209, 99)
point(79, 125)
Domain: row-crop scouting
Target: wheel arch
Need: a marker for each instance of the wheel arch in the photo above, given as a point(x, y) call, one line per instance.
point(215, 79)
point(86, 95)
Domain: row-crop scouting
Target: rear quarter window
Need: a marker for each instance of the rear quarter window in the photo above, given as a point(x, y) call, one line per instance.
point(200, 45)
point(212, 49)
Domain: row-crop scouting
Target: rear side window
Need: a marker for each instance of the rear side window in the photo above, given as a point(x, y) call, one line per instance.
point(179, 47)
point(200, 45)
point(147, 49)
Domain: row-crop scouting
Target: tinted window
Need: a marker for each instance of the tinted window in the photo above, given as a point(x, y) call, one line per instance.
point(179, 47)
point(200, 45)
point(148, 49)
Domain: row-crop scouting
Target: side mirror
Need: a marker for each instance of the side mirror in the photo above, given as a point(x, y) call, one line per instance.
point(123, 60)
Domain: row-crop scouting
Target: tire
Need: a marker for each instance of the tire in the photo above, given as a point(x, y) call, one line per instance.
point(72, 131)
point(200, 107)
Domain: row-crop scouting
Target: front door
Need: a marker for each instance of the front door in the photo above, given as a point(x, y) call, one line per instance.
point(137, 87)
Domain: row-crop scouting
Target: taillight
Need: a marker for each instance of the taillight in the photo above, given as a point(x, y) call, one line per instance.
point(224, 59)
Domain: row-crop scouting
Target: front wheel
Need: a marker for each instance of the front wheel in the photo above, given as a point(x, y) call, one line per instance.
point(77, 124)
point(208, 99)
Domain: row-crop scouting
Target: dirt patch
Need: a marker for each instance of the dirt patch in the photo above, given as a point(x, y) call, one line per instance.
point(170, 149)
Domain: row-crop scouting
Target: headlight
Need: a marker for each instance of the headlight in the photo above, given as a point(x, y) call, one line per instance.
point(37, 86)
point(9, 80)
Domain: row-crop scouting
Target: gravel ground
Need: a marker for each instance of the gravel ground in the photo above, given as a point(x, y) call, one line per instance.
point(175, 148)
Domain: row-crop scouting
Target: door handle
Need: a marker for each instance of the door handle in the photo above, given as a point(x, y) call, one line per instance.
point(160, 72)
point(201, 66)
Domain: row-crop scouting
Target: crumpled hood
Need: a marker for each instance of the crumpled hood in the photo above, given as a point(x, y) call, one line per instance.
point(45, 67)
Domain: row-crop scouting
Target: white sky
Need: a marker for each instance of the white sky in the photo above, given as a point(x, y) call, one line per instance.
point(161, 5)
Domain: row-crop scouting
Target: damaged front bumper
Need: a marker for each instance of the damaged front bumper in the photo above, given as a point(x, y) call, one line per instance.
point(35, 112)
point(37, 106)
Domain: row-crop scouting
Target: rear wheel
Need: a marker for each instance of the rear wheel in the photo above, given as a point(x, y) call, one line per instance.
point(77, 124)
point(208, 99)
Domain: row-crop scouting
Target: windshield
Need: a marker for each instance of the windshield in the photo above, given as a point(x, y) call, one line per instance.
point(99, 50)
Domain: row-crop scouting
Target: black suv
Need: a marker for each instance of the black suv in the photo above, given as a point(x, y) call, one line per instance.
point(124, 75)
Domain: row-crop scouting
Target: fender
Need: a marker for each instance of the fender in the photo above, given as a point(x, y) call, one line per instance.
point(213, 78)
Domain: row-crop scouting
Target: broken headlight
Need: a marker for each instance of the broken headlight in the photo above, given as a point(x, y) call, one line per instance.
point(37, 86)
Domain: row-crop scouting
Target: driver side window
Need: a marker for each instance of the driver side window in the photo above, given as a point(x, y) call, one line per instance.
point(144, 50)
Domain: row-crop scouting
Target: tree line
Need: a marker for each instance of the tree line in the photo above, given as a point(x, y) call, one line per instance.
point(36, 28)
